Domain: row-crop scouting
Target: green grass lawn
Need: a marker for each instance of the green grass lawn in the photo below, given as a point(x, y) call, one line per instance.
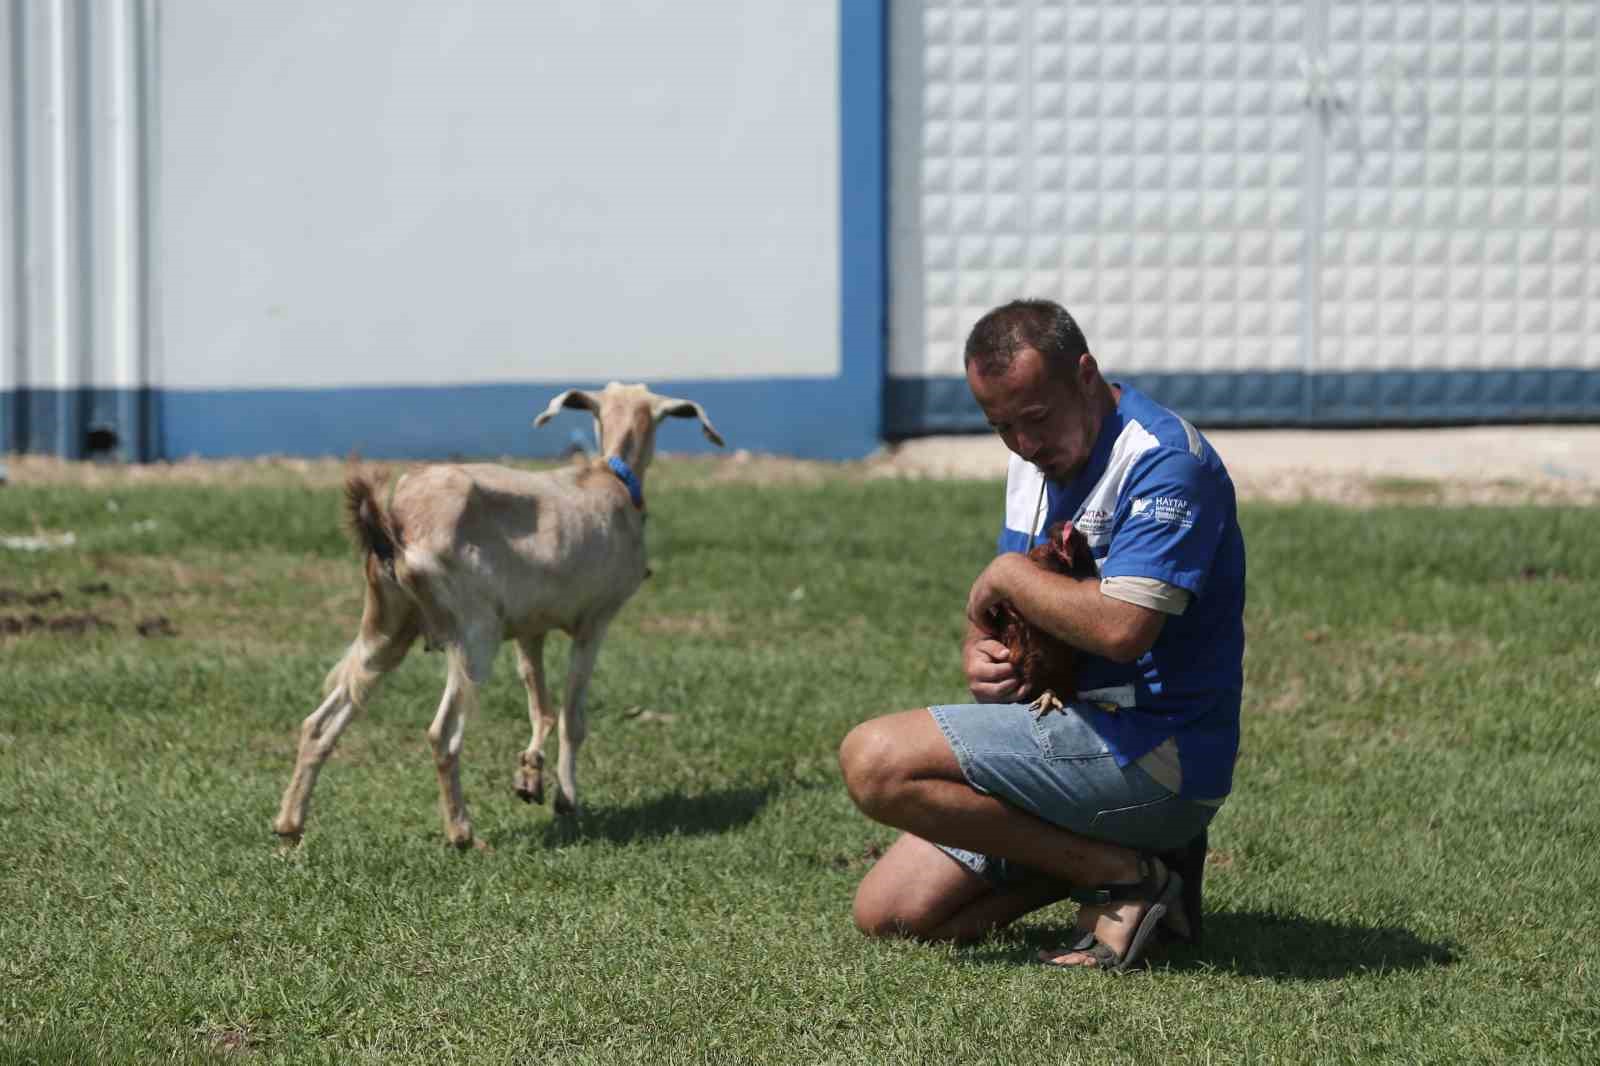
point(1406, 873)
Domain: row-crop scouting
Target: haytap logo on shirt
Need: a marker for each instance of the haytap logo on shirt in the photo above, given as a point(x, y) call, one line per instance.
point(1093, 522)
point(1168, 510)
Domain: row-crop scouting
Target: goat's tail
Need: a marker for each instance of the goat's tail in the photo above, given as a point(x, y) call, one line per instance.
point(389, 620)
point(374, 531)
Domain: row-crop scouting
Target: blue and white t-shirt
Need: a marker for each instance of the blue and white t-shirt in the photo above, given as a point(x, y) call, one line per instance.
point(1158, 510)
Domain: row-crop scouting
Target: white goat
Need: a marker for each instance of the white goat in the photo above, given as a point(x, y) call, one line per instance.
point(467, 556)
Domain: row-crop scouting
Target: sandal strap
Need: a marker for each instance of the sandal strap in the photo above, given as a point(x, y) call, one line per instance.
point(1090, 945)
point(1147, 888)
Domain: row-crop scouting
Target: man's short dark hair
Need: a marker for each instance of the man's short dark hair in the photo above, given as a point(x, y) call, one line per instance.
point(1043, 325)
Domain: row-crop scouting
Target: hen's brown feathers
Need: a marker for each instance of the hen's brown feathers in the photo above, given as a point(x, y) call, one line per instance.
point(1045, 663)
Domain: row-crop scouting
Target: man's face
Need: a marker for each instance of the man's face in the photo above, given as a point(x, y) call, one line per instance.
point(1047, 419)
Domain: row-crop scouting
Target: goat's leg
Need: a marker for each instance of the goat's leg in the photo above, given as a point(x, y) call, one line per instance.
point(318, 734)
point(349, 684)
point(445, 735)
point(585, 649)
point(529, 779)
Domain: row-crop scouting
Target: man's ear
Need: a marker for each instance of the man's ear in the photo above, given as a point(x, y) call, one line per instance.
point(1088, 368)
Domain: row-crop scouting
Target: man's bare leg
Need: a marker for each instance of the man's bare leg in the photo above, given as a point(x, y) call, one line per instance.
point(917, 890)
point(901, 771)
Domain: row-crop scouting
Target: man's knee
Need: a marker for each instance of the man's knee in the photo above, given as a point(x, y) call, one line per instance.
point(876, 915)
point(867, 760)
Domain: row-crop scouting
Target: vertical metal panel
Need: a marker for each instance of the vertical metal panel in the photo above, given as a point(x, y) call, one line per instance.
point(13, 327)
point(72, 312)
point(863, 267)
point(126, 132)
point(62, 291)
point(1320, 108)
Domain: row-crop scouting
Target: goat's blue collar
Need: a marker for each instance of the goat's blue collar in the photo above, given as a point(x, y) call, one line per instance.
point(626, 475)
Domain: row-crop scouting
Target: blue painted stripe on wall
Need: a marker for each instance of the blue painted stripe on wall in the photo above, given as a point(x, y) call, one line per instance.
point(802, 417)
point(864, 208)
point(78, 423)
point(795, 417)
point(918, 406)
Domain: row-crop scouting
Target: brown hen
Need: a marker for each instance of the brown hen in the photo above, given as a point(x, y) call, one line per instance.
point(1045, 664)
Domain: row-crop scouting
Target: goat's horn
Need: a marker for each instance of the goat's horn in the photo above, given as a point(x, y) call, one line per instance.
point(570, 398)
point(688, 409)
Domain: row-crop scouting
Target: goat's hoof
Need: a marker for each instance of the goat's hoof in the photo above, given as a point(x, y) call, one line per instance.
point(287, 837)
point(459, 837)
point(564, 806)
point(530, 786)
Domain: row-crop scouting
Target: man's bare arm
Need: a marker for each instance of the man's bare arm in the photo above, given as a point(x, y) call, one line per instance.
point(1072, 609)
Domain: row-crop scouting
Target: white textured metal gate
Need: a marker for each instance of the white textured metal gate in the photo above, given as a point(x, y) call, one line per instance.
point(1330, 212)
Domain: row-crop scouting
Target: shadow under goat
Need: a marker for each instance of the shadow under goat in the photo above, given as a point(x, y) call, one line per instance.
point(1046, 664)
point(468, 556)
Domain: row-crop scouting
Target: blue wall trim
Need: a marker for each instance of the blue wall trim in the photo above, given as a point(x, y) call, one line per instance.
point(795, 417)
point(81, 423)
point(864, 213)
point(800, 417)
point(918, 406)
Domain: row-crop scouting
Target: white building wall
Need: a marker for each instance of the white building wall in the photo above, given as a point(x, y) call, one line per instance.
point(312, 226)
point(1463, 211)
point(403, 192)
point(1262, 210)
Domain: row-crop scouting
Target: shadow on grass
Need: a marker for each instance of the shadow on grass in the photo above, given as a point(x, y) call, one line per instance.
point(1274, 946)
point(669, 815)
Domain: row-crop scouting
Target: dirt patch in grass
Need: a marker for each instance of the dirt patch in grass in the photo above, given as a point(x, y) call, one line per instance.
point(71, 623)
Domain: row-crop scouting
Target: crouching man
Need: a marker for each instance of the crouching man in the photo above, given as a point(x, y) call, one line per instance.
point(1004, 810)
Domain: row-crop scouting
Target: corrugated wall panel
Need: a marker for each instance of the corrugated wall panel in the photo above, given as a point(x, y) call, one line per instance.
point(12, 341)
point(76, 376)
point(1461, 265)
point(1335, 212)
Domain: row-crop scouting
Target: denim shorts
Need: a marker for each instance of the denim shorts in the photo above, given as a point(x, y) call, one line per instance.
point(1057, 768)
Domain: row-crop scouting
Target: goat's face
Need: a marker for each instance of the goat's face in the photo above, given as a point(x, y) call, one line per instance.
point(627, 416)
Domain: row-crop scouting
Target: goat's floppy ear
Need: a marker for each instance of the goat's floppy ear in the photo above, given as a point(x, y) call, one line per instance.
point(571, 398)
point(666, 406)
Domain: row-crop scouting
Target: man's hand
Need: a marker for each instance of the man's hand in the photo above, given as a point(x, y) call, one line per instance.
point(991, 677)
point(992, 587)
